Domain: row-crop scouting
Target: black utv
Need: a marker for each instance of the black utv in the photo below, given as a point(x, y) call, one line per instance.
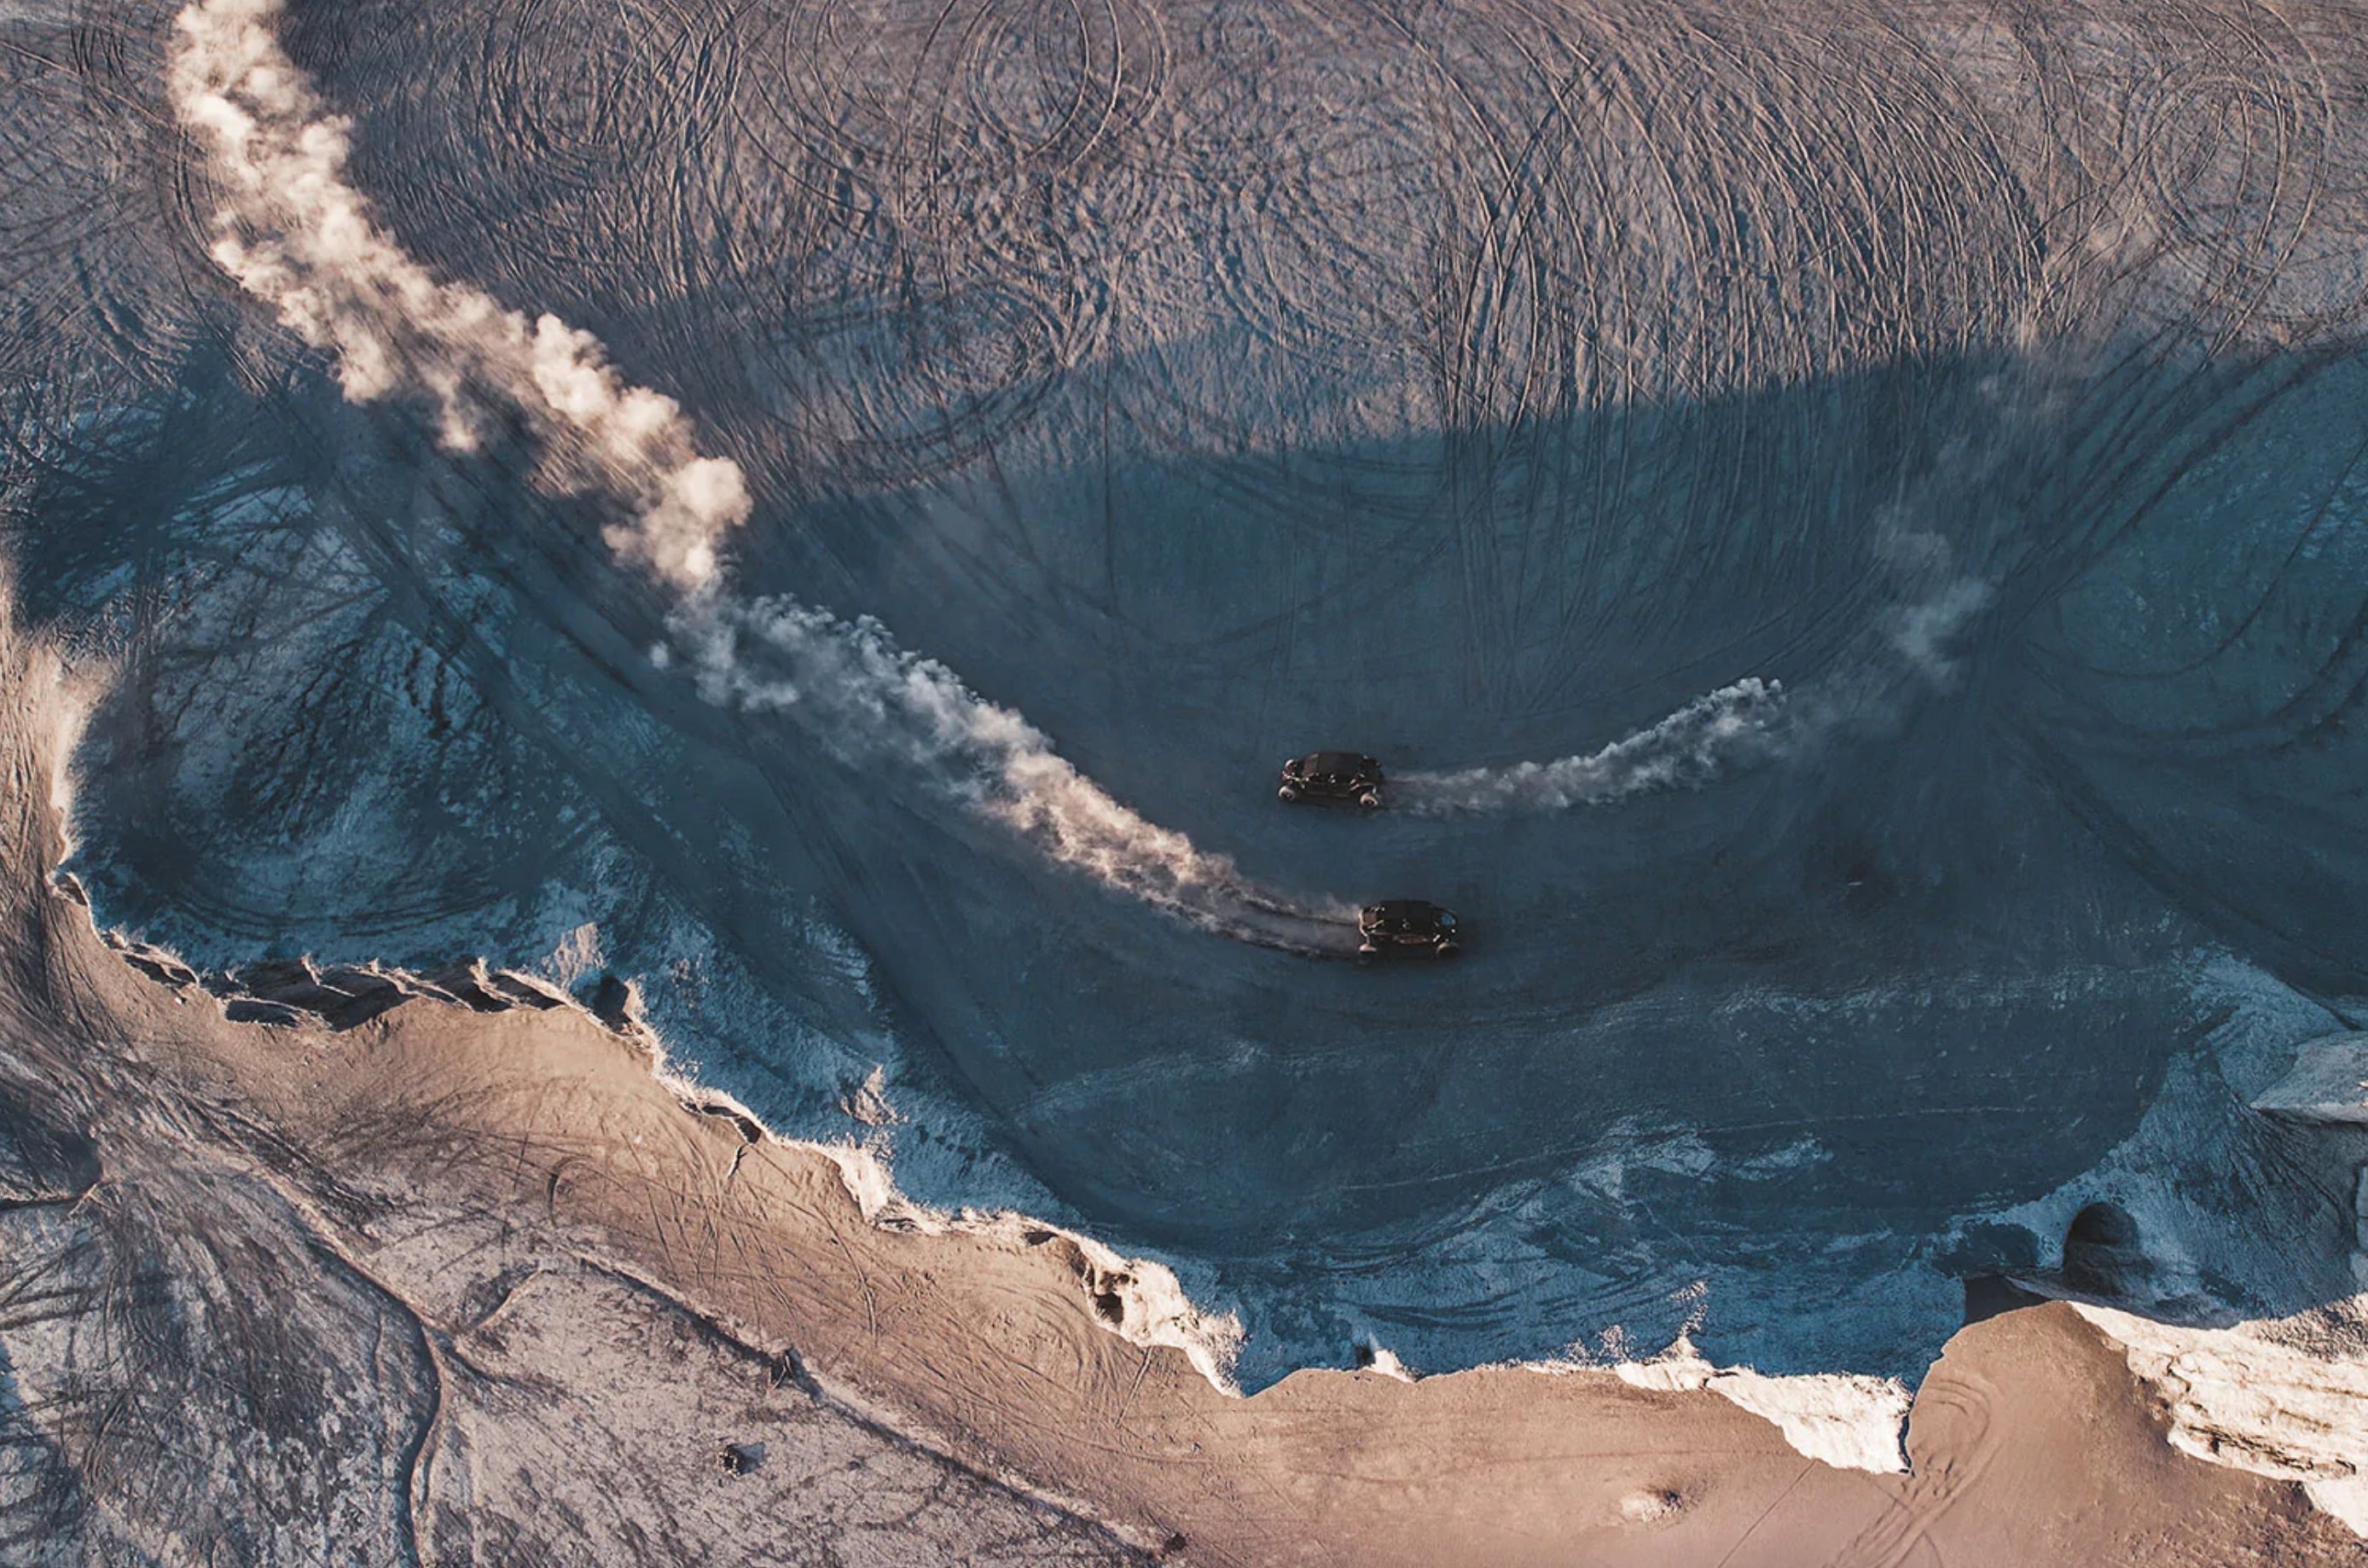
point(1332, 775)
point(1407, 928)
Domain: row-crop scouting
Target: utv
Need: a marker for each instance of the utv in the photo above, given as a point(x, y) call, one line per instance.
point(1405, 926)
point(1332, 775)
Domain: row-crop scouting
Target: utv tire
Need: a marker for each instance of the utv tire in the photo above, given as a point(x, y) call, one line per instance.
point(1287, 794)
point(1370, 799)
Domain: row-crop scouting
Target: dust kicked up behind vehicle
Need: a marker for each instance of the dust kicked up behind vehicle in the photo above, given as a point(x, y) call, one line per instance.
point(1332, 775)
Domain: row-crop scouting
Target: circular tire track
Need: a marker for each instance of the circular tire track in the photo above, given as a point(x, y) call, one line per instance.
point(950, 206)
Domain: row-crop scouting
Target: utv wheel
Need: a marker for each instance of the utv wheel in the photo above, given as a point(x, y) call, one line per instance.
point(1288, 793)
point(1370, 799)
point(1446, 950)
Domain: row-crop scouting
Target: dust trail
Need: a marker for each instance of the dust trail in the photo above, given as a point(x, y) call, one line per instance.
point(1753, 720)
point(295, 234)
point(877, 705)
point(1737, 723)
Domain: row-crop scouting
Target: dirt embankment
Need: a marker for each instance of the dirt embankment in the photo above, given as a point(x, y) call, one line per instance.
point(452, 1283)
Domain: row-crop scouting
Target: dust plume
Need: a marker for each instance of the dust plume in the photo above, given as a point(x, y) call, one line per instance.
point(1736, 723)
point(295, 234)
point(877, 706)
point(1753, 720)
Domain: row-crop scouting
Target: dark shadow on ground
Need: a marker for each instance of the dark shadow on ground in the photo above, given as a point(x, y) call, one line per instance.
point(1789, 1027)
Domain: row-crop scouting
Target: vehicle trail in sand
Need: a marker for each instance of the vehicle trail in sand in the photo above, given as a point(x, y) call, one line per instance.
point(294, 233)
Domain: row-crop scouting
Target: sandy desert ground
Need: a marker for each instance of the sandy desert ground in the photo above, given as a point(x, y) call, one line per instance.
point(1847, 521)
point(464, 1282)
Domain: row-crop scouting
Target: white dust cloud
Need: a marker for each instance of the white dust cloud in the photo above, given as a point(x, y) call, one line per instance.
point(296, 235)
point(1688, 749)
point(876, 706)
point(1753, 720)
